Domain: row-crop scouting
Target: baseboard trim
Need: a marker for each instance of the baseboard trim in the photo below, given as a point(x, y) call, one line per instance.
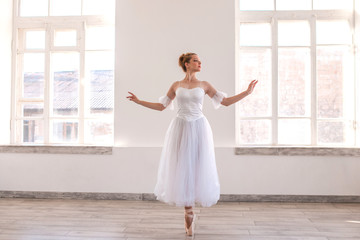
point(151, 197)
point(291, 198)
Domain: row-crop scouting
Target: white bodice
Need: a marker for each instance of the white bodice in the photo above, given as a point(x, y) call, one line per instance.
point(190, 103)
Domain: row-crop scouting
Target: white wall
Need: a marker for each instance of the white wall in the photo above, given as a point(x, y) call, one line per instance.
point(357, 60)
point(150, 37)
point(5, 68)
point(134, 170)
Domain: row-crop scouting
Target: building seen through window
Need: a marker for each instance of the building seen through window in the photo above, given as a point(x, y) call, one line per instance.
point(303, 54)
point(64, 72)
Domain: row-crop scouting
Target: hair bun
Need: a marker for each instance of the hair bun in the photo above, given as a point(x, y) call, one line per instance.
point(185, 58)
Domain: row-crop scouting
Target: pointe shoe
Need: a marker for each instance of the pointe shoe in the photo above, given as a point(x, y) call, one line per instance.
point(189, 214)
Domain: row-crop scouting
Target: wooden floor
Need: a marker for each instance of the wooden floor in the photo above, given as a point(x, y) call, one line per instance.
point(24, 219)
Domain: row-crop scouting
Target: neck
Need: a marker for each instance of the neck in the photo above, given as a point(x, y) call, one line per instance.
point(190, 76)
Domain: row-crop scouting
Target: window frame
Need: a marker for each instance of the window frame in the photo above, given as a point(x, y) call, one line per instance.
point(273, 17)
point(49, 24)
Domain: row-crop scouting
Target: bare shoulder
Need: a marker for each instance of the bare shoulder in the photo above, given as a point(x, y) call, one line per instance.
point(174, 85)
point(206, 85)
point(209, 89)
point(171, 92)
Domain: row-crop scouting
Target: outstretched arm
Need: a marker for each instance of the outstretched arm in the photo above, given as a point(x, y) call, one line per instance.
point(153, 105)
point(227, 101)
point(231, 100)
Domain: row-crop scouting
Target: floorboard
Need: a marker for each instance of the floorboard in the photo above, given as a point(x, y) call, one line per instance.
point(37, 219)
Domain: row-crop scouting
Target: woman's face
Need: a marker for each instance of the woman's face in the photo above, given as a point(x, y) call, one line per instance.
point(194, 65)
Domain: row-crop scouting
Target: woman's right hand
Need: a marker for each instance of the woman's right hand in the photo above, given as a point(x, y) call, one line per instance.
point(133, 98)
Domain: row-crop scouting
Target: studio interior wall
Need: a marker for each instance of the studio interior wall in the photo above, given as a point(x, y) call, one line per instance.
point(357, 59)
point(150, 36)
point(5, 69)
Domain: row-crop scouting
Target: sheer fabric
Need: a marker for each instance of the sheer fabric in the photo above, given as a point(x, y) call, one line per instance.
point(187, 171)
point(217, 99)
point(166, 101)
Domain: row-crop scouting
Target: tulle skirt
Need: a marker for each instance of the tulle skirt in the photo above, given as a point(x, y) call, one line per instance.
point(187, 171)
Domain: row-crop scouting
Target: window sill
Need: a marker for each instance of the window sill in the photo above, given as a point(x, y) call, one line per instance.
point(298, 151)
point(264, 151)
point(93, 150)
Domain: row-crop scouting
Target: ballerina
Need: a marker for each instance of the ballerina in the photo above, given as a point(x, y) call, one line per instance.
point(187, 172)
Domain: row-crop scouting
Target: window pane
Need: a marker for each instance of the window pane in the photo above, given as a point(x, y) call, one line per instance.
point(33, 110)
point(333, 4)
point(33, 8)
point(65, 7)
point(99, 131)
point(335, 132)
point(66, 83)
point(294, 33)
point(255, 64)
point(294, 131)
point(255, 132)
point(255, 34)
point(100, 76)
point(98, 7)
point(32, 131)
point(106, 41)
point(256, 4)
point(33, 85)
point(335, 82)
point(35, 39)
point(333, 32)
point(65, 37)
point(293, 4)
point(65, 131)
point(294, 81)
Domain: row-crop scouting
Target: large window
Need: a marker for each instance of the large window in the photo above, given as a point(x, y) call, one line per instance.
point(302, 53)
point(64, 72)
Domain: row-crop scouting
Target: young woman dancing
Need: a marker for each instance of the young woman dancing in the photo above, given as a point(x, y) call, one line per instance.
point(187, 171)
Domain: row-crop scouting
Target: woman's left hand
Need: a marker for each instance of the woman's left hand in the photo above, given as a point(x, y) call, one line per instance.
point(251, 86)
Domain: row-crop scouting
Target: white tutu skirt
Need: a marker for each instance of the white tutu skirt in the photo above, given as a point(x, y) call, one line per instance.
point(187, 171)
